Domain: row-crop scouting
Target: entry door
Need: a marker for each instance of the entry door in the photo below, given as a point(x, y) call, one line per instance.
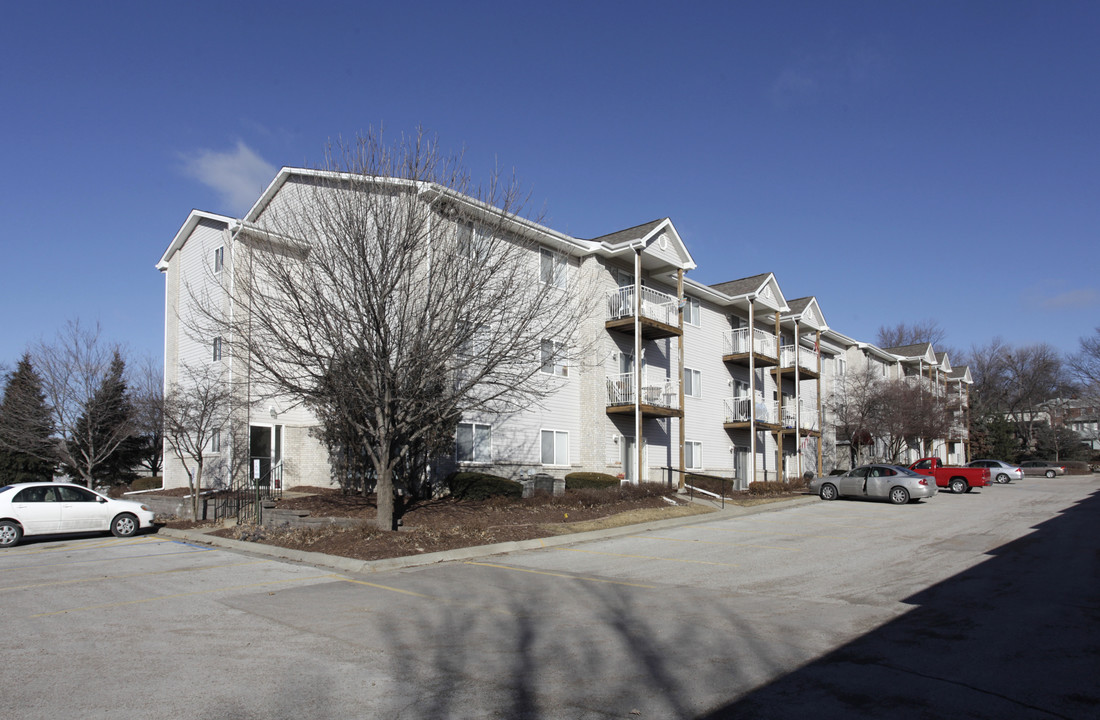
point(265, 450)
point(629, 458)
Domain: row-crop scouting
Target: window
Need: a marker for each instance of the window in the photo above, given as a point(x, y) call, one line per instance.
point(552, 360)
point(555, 447)
point(473, 339)
point(693, 455)
point(216, 441)
point(473, 443)
point(691, 311)
point(219, 259)
point(551, 268)
point(841, 366)
point(472, 245)
point(693, 383)
point(217, 348)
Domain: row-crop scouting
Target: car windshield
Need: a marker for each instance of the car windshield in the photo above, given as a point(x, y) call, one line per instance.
point(906, 471)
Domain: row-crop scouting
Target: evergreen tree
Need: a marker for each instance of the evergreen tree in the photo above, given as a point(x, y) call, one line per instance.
point(26, 426)
point(103, 438)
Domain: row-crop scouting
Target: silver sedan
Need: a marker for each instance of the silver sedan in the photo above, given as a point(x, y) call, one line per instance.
point(1042, 467)
point(999, 470)
point(897, 484)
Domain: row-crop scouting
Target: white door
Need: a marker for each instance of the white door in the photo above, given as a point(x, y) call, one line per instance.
point(38, 510)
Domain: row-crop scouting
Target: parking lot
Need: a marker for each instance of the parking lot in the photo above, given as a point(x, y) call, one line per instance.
point(981, 604)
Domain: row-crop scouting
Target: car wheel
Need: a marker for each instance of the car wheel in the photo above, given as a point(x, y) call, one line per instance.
point(969, 488)
point(899, 495)
point(958, 486)
point(1050, 473)
point(124, 525)
point(10, 533)
point(828, 492)
point(1002, 479)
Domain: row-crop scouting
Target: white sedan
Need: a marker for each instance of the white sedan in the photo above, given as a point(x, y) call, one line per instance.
point(51, 508)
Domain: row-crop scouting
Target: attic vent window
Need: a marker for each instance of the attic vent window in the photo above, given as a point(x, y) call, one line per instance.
point(663, 240)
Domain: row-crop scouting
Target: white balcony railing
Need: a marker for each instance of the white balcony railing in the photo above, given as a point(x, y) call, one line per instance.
point(739, 409)
point(663, 392)
point(807, 359)
point(656, 305)
point(736, 342)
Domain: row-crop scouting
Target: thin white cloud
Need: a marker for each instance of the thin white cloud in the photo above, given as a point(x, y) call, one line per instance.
point(835, 71)
point(1072, 300)
point(238, 176)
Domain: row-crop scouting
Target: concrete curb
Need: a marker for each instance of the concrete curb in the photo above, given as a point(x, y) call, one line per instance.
point(351, 565)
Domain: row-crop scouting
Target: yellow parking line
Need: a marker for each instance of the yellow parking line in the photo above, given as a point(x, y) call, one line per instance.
point(813, 535)
point(712, 542)
point(129, 575)
point(68, 547)
point(180, 595)
point(448, 601)
point(561, 575)
point(651, 557)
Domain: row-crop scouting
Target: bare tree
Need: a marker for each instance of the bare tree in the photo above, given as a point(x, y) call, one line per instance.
point(392, 296)
point(80, 377)
point(992, 385)
point(919, 332)
point(202, 427)
point(147, 389)
point(855, 408)
point(1085, 364)
point(1035, 374)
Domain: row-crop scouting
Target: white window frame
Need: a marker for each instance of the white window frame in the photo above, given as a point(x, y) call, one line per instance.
point(219, 259)
point(560, 449)
point(693, 383)
point(693, 455)
point(486, 443)
point(216, 349)
point(551, 360)
point(552, 268)
point(216, 441)
point(692, 314)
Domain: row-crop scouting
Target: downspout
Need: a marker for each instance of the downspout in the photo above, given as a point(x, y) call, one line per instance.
point(752, 388)
point(820, 417)
point(638, 365)
point(683, 412)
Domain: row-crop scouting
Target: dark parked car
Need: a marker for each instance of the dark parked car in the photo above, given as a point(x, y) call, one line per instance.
point(1042, 467)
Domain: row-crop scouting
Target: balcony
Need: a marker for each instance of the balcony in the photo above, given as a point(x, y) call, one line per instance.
point(660, 316)
point(738, 413)
point(806, 358)
point(659, 398)
point(738, 346)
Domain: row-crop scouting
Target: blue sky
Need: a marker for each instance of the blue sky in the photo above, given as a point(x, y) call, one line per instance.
point(901, 161)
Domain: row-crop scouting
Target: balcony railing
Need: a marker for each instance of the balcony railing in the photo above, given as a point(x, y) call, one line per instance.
point(664, 392)
point(807, 359)
point(739, 409)
point(656, 305)
point(736, 342)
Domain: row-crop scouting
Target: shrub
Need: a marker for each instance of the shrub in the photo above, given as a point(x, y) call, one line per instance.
point(146, 483)
point(710, 483)
point(772, 488)
point(479, 486)
point(590, 480)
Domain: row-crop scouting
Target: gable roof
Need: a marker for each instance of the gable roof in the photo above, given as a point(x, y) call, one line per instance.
point(188, 227)
point(806, 311)
point(916, 351)
point(960, 374)
point(763, 287)
point(661, 246)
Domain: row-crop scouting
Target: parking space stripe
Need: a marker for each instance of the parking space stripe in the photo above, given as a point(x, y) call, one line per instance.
point(100, 578)
point(210, 591)
point(650, 557)
point(193, 549)
point(70, 547)
point(561, 575)
point(447, 601)
point(714, 542)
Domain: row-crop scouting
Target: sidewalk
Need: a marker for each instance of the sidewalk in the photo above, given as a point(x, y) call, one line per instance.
point(351, 565)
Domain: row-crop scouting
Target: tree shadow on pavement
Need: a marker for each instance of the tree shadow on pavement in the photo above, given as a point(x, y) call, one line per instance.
point(1017, 636)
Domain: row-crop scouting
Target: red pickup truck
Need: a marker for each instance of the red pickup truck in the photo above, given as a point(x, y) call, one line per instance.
point(959, 479)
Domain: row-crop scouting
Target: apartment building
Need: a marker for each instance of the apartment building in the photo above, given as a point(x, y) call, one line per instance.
point(730, 379)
